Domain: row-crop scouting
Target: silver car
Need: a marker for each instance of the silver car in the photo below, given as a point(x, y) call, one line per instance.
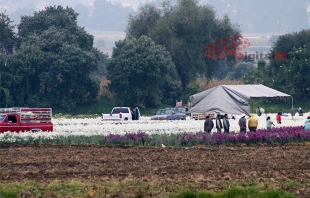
point(177, 113)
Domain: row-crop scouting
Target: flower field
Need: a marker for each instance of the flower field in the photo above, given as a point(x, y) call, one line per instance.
point(95, 128)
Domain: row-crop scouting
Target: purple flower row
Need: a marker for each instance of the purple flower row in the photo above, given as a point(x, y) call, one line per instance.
point(270, 136)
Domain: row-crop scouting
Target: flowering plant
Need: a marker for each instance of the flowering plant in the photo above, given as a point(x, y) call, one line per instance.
point(270, 136)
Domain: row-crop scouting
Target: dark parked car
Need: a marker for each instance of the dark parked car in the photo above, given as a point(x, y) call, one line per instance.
point(177, 113)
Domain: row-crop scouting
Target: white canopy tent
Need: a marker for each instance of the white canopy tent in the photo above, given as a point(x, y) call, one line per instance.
point(231, 99)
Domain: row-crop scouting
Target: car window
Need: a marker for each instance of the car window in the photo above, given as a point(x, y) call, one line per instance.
point(12, 118)
point(180, 110)
point(164, 112)
point(2, 117)
point(120, 110)
point(159, 112)
point(168, 111)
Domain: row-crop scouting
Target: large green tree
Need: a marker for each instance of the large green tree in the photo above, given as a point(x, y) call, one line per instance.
point(54, 61)
point(22, 75)
point(257, 75)
point(7, 36)
point(184, 29)
point(142, 73)
point(7, 43)
point(241, 69)
point(291, 71)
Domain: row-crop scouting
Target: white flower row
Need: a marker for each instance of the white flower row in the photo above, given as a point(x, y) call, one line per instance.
point(94, 126)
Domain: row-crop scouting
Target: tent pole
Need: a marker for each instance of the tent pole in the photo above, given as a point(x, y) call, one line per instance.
point(292, 102)
point(265, 108)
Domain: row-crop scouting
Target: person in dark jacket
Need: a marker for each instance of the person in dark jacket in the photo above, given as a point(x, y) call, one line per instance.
point(218, 123)
point(281, 112)
point(242, 124)
point(208, 125)
point(300, 111)
point(226, 123)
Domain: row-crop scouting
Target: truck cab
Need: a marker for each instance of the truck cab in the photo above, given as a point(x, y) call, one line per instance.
point(122, 114)
point(9, 122)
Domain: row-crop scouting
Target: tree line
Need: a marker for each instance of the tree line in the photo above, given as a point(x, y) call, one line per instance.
point(51, 61)
point(184, 29)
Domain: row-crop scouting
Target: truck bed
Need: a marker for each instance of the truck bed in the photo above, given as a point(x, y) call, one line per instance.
point(112, 117)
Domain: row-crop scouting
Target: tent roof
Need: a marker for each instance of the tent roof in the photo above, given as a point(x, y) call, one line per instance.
point(255, 91)
point(231, 99)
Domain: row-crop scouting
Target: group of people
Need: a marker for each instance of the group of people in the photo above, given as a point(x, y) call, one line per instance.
point(293, 112)
point(209, 125)
point(225, 125)
point(252, 123)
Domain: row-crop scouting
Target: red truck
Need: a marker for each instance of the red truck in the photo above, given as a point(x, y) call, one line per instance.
point(23, 119)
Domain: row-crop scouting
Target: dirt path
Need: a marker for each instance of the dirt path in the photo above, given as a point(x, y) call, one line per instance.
point(204, 166)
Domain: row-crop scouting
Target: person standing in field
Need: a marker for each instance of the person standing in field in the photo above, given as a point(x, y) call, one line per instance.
point(226, 123)
point(242, 124)
point(278, 118)
point(307, 123)
point(300, 111)
point(252, 123)
point(208, 125)
point(258, 111)
point(219, 124)
point(281, 112)
point(293, 112)
point(269, 123)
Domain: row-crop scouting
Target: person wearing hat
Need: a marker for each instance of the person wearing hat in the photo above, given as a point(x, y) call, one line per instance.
point(218, 123)
point(242, 123)
point(252, 123)
point(307, 123)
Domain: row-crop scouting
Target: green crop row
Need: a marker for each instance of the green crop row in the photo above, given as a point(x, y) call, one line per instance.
point(134, 189)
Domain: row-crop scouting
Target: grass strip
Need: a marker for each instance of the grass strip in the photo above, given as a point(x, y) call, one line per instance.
point(238, 193)
point(137, 188)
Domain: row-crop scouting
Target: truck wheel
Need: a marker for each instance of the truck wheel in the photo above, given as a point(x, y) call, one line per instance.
point(35, 130)
point(126, 119)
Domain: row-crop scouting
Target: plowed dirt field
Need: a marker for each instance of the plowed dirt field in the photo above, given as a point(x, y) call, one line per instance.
point(274, 166)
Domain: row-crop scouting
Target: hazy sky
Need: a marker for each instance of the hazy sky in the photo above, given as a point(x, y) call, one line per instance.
point(259, 17)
